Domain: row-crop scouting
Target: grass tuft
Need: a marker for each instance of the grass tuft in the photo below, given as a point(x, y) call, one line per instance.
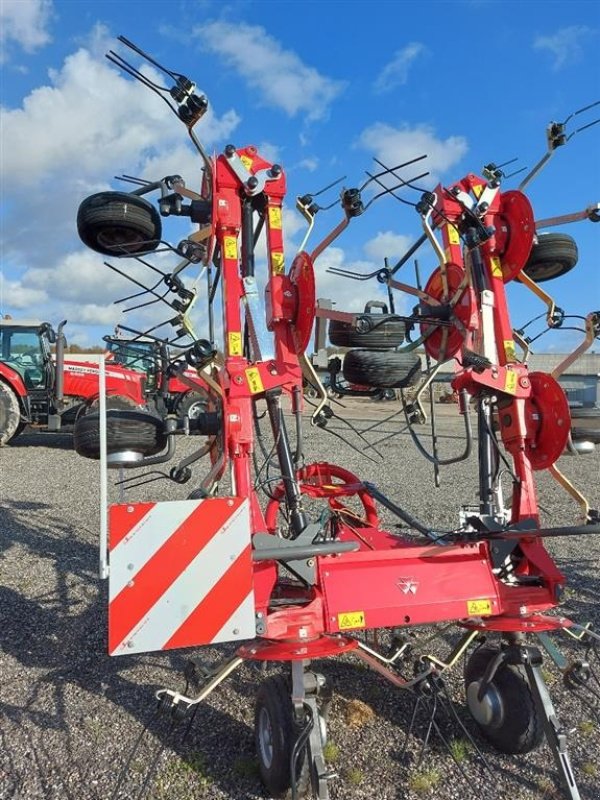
point(424, 780)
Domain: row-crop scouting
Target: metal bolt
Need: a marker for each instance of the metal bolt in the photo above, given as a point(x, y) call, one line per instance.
point(238, 379)
point(524, 383)
point(522, 610)
point(130, 644)
point(236, 631)
point(130, 509)
point(130, 566)
point(252, 182)
point(230, 502)
point(229, 150)
point(130, 584)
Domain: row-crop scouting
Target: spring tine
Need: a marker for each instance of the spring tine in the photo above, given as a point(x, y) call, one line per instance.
point(416, 706)
point(357, 432)
point(357, 276)
point(466, 732)
point(136, 294)
point(433, 709)
point(140, 52)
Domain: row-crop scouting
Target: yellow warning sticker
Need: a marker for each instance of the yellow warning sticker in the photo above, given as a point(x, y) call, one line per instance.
point(275, 218)
point(453, 237)
point(235, 343)
point(510, 351)
point(510, 382)
point(254, 380)
point(477, 608)
point(246, 161)
point(351, 619)
point(277, 263)
point(230, 246)
point(496, 267)
point(478, 190)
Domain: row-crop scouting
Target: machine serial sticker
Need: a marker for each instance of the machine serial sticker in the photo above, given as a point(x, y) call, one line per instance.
point(351, 619)
point(476, 608)
point(509, 350)
point(275, 217)
point(230, 246)
point(246, 161)
point(510, 383)
point(235, 343)
point(254, 380)
point(496, 267)
point(277, 263)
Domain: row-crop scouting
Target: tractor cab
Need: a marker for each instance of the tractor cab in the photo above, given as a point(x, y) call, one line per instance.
point(141, 355)
point(25, 347)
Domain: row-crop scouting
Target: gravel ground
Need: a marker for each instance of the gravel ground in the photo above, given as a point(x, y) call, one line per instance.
point(75, 724)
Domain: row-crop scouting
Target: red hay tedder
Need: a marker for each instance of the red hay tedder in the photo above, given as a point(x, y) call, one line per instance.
point(296, 586)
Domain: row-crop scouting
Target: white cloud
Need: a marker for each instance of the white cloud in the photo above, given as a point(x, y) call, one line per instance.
point(14, 294)
point(565, 45)
point(310, 164)
point(387, 244)
point(281, 77)
point(398, 145)
point(24, 23)
point(396, 72)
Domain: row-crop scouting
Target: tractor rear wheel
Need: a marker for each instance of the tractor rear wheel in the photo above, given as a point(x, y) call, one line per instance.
point(191, 405)
point(553, 255)
point(126, 431)
point(10, 414)
point(118, 224)
point(507, 714)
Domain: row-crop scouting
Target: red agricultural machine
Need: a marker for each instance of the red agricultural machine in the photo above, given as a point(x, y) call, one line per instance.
point(40, 389)
point(295, 584)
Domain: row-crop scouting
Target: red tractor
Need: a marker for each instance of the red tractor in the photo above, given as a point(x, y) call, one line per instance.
point(39, 388)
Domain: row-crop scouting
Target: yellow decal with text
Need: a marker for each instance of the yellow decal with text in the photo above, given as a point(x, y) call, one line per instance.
point(275, 218)
point(277, 263)
point(477, 608)
point(254, 380)
point(246, 161)
point(235, 343)
point(496, 267)
point(230, 246)
point(510, 351)
point(453, 235)
point(351, 619)
point(510, 382)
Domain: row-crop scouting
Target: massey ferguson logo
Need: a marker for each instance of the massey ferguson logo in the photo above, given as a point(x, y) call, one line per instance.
point(407, 585)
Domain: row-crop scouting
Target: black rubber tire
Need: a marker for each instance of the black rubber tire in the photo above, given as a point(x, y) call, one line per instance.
point(274, 708)
point(586, 435)
point(388, 333)
point(10, 414)
point(118, 223)
point(194, 402)
point(585, 413)
point(553, 255)
point(384, 370)
point(135, 431)
point(519, 727)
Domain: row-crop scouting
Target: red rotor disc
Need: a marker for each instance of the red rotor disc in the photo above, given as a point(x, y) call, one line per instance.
point(515, 232)
point(302, 276)
point(548, 419)
point(465, 310)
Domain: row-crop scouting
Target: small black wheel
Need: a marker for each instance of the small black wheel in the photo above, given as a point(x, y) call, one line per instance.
point(275, 733)
point(386, 330)
point(553, 255)
point(507, 714)
point(119, 223)
point(385, 370)
point(136, 432)
point(586, 435)
point(191, 405)
point(10, 414)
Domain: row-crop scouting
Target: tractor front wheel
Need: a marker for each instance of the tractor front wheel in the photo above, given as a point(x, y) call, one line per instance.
point(10, 414)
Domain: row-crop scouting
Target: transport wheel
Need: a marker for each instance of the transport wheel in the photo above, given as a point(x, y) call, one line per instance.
point(275, 733)
point(391, 370)
point(191, 405)
point(387, 330)
point(119, 223)
point(10, 414)
point(554, 255)
point(126, 431)
point(506, 715)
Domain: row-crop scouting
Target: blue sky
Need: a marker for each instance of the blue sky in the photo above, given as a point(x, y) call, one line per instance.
point(320, 87)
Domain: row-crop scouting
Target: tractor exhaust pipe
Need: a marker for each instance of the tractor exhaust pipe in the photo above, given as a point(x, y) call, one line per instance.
point(59, 387)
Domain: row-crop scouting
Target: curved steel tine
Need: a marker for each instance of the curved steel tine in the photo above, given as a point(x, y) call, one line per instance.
point(136, 294)
point(128, 43)
point(357, 276)
point(408, 183)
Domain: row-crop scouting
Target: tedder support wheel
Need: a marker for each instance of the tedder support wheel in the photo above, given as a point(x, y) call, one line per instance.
point(275, 734)
point(10, 414)
point(554, 255)
point(385, 370)
point(119, 223)
point(126, 431)
point(386, 332)
point(507, 714)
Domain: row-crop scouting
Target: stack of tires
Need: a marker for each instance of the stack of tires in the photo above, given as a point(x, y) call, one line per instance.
point(374, 361)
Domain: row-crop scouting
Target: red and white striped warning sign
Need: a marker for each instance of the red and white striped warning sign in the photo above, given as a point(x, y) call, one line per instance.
point(180, 574)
